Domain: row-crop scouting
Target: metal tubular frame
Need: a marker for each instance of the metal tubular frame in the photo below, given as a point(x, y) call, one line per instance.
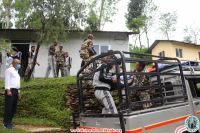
point(123, 60)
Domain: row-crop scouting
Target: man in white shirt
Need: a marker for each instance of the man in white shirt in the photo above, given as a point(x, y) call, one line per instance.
point(12, 86)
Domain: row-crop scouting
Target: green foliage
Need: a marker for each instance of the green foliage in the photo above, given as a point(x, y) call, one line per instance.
point(136, 23)
point(22, 7)
point(135, 9)
point(167, 23)
point(15, 130)
point(1, 17)
point(92, 21)
point(43, 99)
point(103, 10)
point(140, 16)
point(6, 13)
point(52, 18)
point(4, 45)
point(139, 50)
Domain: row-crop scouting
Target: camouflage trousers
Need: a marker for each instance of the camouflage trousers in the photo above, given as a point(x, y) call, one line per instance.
point(145, 96)
point(61, 68)
point(90, 66)
point(84, 54)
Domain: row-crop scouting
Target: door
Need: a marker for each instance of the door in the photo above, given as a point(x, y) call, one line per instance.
point(24, 49)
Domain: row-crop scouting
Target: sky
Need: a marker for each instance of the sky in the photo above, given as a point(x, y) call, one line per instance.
point(187, 12)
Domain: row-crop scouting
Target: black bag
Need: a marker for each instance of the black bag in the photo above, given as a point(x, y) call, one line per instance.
point(92, 51)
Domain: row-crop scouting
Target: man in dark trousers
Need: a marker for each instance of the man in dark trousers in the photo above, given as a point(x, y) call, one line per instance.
point(12, 86)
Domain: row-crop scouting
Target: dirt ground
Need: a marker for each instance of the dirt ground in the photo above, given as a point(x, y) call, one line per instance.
point(38, 129)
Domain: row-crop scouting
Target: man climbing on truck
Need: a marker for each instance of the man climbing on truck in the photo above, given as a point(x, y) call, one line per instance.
point(103, 82)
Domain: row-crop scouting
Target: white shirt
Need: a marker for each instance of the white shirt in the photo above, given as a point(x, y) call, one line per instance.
point(12, 78)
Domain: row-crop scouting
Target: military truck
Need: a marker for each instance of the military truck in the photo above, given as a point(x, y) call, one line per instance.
point(174, 89)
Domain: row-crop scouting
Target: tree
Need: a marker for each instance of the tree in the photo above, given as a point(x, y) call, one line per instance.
point(139, 50)
point(140, 16)
point(4, 44)
point(1, 17)
point(135, 9)
point(100, 12)
point(167, 23)
point(135, 19)
point(149, 13)
point(191, 35)
point(51, 18)
point(136, 49)
point(136, 25)
point(4, 48)
point(6, 13)
point(92, 21)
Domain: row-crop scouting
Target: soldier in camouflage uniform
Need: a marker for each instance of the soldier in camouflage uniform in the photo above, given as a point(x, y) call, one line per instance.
point(60, 61)
point(87, 51)
point(139, 81)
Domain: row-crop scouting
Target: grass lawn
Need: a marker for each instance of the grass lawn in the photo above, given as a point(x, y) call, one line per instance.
point(14, 130)
point(42, 103)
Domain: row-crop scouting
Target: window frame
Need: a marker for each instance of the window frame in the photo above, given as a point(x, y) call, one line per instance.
point(179, 52)
point(99, 47)
point(162, 53)
point(199, 55)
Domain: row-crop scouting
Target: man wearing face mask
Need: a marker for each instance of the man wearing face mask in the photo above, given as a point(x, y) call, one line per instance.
point(12, 95)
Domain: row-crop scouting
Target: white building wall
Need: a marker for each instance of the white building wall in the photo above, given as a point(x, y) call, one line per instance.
point(117, 41)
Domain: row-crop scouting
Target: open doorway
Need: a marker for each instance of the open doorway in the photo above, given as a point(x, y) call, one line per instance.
point(24, 49)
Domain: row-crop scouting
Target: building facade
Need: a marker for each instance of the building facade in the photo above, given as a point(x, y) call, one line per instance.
point(103, 41)
point(176, 49)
